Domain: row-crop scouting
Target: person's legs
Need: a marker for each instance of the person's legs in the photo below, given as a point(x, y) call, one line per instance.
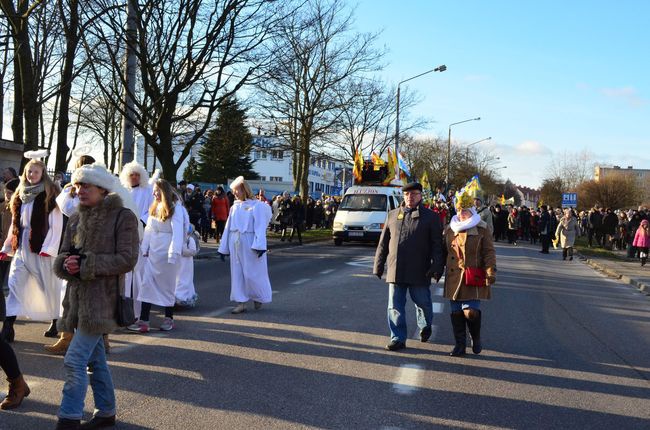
point(472, 315)
point(76, 361)
point(8, 360)
point(421, 296)
point(396, 317)
point(18, 388)
point(101, 382)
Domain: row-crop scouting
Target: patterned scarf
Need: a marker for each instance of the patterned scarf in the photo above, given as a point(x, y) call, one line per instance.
point(29, 193)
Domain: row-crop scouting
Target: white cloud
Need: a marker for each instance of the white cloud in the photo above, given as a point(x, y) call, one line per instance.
point(628, 95)
point(531, 147)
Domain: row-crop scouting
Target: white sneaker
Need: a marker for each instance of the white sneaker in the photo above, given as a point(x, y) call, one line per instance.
point(167, 324)
point(139, 326)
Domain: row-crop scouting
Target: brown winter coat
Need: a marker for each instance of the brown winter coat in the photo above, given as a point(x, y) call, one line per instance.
point(479, 251)
point(110, 248)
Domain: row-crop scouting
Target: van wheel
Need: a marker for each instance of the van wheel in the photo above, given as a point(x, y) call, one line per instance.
point(338, 241)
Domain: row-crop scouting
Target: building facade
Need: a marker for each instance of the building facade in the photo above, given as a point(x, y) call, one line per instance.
point(642, 175)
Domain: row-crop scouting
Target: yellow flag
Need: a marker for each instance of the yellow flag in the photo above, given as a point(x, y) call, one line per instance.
point(358, 167)
point(391, 168)
point(425, 181)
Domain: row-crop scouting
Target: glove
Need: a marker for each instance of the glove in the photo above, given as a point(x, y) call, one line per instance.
point(437, 276)
point(379, 273)
point(259, 252)
point(490, 276)
point(44, 254)
point(3, 256)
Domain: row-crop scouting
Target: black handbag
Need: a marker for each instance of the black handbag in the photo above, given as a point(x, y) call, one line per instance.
point(124, 314)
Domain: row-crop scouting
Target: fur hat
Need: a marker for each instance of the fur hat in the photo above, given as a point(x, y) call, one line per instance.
point(133, 167)
point(95, 174)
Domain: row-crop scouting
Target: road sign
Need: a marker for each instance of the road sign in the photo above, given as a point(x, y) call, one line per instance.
point(569, 200)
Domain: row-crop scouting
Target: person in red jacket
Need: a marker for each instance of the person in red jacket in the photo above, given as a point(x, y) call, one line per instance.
point(220, 208)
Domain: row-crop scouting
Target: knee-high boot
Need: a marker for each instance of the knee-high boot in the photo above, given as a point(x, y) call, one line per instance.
point(460, 335)
point(473, 318)
point(564, 253)
point(8, 329)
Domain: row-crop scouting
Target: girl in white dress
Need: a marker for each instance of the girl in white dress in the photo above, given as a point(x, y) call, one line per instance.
point(161, 249)
point(244, 239)
point(34, 240)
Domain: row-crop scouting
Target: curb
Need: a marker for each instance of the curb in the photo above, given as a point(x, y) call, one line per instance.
point(644, 288)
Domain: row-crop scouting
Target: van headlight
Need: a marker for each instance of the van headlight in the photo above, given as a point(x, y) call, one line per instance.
point(374, 226)
point(338, 226)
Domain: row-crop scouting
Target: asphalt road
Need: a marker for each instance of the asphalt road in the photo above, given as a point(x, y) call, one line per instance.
point(565, 347)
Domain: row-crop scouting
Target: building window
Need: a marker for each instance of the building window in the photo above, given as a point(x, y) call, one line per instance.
point(275, 178)
point(262, 178)
point(259, 155)
point(277, 154)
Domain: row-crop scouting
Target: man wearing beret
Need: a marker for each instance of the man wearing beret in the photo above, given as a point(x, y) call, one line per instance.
point(410, 247)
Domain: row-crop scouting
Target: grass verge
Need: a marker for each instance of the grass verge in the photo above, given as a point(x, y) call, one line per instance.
point(312, 235)
point(582, 246)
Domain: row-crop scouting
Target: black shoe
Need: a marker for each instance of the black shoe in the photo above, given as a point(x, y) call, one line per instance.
point(66, 424)
point(460, 334)
point(52, 331)
point(425, 334)
point(98, 423)
point(395, 345)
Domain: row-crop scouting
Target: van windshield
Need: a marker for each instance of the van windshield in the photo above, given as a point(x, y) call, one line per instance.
point(364, 202)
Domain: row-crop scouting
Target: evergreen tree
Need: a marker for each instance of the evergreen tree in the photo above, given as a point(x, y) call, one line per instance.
point(190, 172)
point(225, 153)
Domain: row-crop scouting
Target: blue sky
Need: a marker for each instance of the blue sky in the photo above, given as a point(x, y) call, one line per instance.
point(545, 77)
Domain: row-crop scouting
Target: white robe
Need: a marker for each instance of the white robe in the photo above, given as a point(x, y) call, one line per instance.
point(245, 232)
point(185, 292)
point(162, 244)
point(143, 198)
point(34, 290)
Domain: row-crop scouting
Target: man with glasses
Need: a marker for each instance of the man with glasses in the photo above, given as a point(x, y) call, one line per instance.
point(411, 247)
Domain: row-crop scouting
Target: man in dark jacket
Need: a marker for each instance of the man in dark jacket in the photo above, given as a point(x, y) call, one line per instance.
point(411, 244)
point(545, 229)
point(610, 222)
point(594, 223)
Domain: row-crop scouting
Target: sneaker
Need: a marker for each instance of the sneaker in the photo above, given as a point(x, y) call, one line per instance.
point(139, 326)
point(167, 324)
point(239, 308)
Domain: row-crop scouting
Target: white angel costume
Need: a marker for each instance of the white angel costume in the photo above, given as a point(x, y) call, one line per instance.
point(161, 245)
point(244, 235)
point(34, 290)
point(185, 292)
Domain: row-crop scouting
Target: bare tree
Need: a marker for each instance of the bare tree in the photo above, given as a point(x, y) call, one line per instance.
point(317, 55)
point(189, 61)
point(6, 61)
point(572, 168)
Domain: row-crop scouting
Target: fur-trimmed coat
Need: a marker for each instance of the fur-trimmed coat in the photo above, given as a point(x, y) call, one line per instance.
point(107, 238)
point(477, 248)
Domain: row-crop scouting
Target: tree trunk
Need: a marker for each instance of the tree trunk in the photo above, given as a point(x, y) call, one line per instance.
point(72, 40)
point(17, 120)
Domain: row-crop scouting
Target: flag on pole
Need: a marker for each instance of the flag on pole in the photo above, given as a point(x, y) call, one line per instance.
point(358, 166)
point(391, 168)
point(377, 161)
point(473, 187)
point(502, 200)
point(402, 165)
point(424, 180)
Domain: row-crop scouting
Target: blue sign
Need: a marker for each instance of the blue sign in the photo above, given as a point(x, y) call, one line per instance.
point(569, 200)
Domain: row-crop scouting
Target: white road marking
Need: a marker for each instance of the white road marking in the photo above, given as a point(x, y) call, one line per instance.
point(362, 262)
point(141, 339)
point(300, 281)
point(437, 307)
point(325, 272)
point(407, 379)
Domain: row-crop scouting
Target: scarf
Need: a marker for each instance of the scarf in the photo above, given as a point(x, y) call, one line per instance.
point(29, 192)
point(457, 225)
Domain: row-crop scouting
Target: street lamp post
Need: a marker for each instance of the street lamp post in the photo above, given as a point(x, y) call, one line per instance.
point(440, 68)
point(449, 148)
point(472, 144)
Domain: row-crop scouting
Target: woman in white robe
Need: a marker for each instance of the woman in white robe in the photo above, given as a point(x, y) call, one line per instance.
point(185, 292)
point(34, 290)
point(161, 249)
point(244, 239)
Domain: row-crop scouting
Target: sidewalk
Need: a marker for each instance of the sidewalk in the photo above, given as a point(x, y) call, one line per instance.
point(629, 271)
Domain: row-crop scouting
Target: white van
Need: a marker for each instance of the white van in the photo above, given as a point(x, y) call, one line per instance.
point(363, 211)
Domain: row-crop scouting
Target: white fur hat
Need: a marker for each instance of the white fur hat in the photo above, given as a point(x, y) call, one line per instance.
point(95, 174)
point(133, 167)
point(237, 182)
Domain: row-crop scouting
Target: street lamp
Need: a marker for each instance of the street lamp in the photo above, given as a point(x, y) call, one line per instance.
point(449, 147)
point(472, 144)
point(440, 68)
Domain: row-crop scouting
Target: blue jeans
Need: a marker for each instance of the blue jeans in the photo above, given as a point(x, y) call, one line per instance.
point(86, 358)
point(421, 296)
point(460, 305)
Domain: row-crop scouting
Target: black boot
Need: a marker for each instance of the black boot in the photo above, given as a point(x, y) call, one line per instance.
point(51, 331)
point(66, 424)
point(643, 260)
point(564, 253)
point(473, 318)
point(8, 329)
point(460, 335)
